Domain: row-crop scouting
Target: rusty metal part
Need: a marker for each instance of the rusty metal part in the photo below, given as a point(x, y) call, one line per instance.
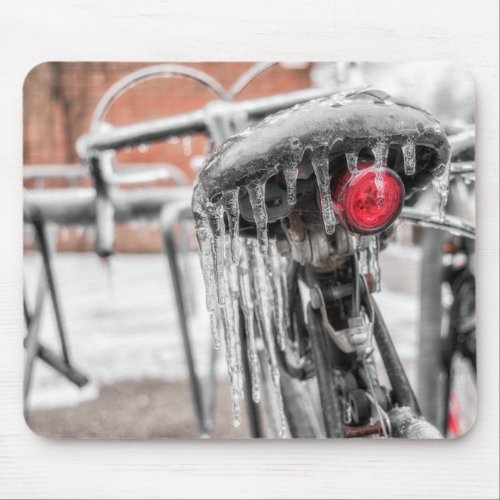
point(364, 430)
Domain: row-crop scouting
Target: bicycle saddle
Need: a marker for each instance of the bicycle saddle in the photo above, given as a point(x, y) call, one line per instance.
point(289, 160)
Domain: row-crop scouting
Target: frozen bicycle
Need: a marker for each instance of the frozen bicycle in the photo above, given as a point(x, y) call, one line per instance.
point(309, 360)
point(290, 216)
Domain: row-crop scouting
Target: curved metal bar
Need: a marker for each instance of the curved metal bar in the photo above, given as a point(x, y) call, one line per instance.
point(77, 206)
point(188, 123)
point(149, 173)
point(133, 173)
point(450, 223)
point(171, 215)
point(462, 141)
point(66, 172)
point(161, 71)
point(463, 168)
point(248, 77)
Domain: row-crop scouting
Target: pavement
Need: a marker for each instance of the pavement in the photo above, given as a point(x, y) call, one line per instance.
point(123, 334)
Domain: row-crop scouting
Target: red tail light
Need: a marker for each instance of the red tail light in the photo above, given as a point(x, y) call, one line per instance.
point(368, 200)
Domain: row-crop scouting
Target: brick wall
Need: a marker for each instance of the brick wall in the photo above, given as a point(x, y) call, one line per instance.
point(59, 99)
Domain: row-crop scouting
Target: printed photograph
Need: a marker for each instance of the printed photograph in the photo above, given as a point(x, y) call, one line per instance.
point(236, 250)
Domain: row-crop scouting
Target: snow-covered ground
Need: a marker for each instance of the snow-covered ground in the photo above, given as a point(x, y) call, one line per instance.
point(122, 323)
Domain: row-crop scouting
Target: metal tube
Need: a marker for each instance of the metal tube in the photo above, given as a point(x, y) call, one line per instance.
point(395, 371)
point(31, 340)
point(430, 344)
point(450, 223)
point(188, 123)
point(69, 172)
point(462, 168)
point(43, 245)
point(462, 141)
point(131, 173)
point(148, 73)
point(170, 217)
point(77, 206)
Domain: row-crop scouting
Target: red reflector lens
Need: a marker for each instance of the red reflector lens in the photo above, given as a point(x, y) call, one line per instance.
point(369, 200)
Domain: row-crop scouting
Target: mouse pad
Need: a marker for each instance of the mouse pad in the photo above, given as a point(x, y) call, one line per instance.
point(249, 250)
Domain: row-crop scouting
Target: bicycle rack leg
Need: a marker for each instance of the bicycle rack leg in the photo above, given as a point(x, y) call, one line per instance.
point(45, 252)
point(212, 388)
point(35, 349)
point(32, 320)
point(204, 423)
point(430, 348)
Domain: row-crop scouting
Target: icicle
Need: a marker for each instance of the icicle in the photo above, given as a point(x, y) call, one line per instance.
point(235, 301)
point(352, 160)
point(380, 152)
point(290, 172)
point(351, 148)
point(319, 160)
point(408, 149)
point(247, 307)
point(284, 290)
point(205, 241)
point(442, 186)
point(274, 271)
point(373, 251)
point(232, 209)
point(143, 148)
point(356, 241)
point(256, 191)
point(233, 348)
point(217, 226)
point(260, 290)
point(214, 329)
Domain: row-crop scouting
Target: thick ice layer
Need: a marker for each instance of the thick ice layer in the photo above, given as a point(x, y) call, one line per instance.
point(355, 119)
point(249, 274)
point(319, 160)
point(373, 263)
point(256, 191)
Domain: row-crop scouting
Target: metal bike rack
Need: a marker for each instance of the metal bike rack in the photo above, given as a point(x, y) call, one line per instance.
point(34, 347)
point(218, 120)
point(69, 207)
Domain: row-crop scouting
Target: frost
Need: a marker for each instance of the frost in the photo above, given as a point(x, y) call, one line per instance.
point(256, 191)
point(319, 160)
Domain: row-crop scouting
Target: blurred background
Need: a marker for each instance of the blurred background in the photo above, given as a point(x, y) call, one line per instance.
point(119, 312)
